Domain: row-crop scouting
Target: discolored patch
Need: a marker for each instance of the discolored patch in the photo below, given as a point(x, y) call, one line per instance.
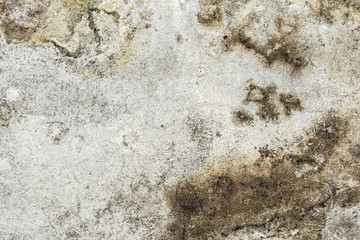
point(211, 16)
point(348, 197)
point(231, 195)
point(268, 153)
point(280, 47)
point(242, 117)
point(102, 36)
point(326, 135)
point(179, 38)
point(72, 234)
point(320, 143)
point(333, 10)
point(265, 99)
point(269, 102)
point(38, 22)
point(235, 197)
point(290, 103)
point(5, 113)
point(355, 151)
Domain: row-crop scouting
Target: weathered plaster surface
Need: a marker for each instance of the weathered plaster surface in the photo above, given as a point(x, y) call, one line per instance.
point(179, 119)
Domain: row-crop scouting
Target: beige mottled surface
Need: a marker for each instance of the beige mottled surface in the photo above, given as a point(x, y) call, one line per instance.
point(180, 119)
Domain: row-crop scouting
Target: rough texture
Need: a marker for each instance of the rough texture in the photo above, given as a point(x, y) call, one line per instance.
point(201, 119)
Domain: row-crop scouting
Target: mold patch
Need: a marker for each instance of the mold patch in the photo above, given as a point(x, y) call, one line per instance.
point(269, 102)
point(228, 200)
point(280, 46)
point(242, 117)
point(326, 135)
point(265, 99)
point(231, 195)
point(290, 102)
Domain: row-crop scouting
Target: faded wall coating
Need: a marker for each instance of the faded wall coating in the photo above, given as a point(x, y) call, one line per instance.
point(180, 119)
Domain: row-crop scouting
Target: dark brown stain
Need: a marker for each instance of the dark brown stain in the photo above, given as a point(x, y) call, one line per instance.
point(269, 102)
point(321, 141)
point(266, 153)
point(265, 99)
point(231, 195)
point(279, 47)
point(211, 16)
point(5, 113)
point(242, 117)
point(290, 102)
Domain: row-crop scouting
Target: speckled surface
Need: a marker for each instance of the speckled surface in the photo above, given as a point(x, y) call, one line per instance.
point(179, 119)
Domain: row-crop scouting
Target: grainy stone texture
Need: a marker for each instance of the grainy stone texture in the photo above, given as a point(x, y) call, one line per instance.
point(180, 119)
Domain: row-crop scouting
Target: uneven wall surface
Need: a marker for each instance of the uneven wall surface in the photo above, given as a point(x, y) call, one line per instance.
point(180, 119)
